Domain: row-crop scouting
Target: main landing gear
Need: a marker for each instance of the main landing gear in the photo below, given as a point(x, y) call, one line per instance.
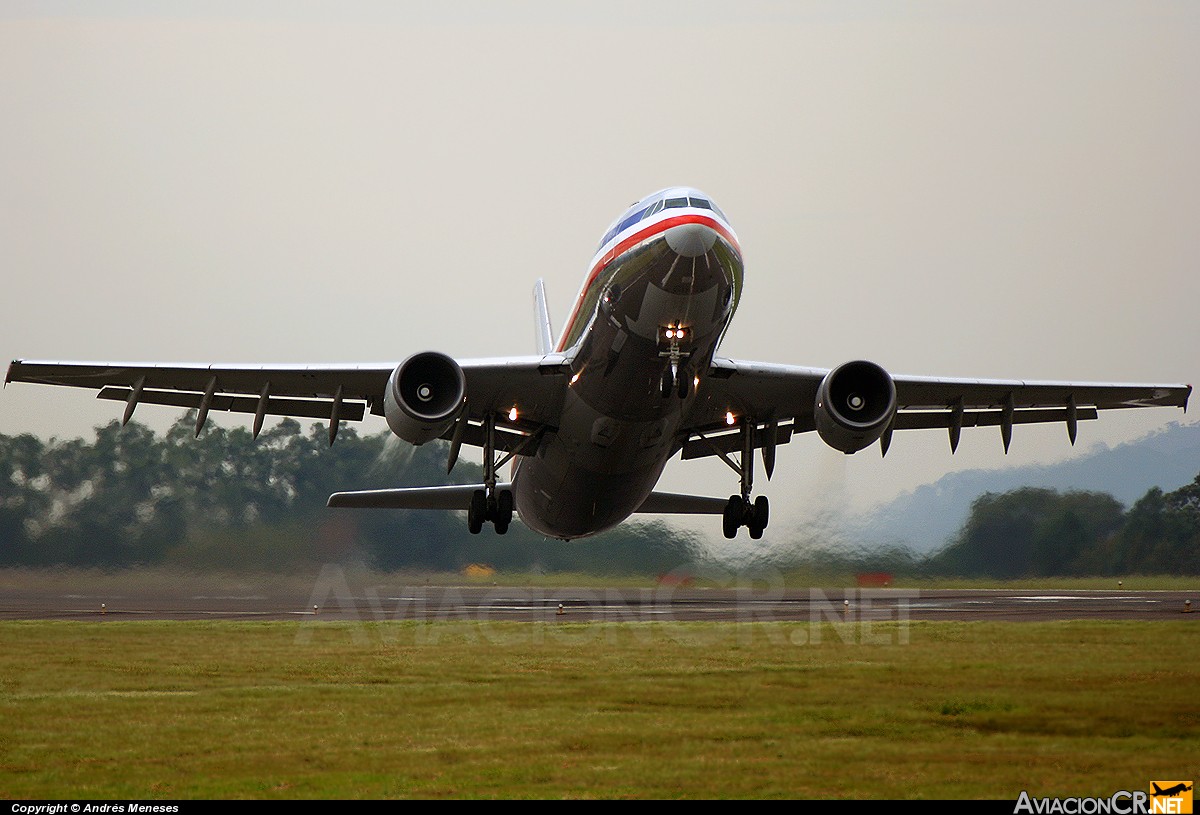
point(496, 507)
point(741, 510)
point(492, 504)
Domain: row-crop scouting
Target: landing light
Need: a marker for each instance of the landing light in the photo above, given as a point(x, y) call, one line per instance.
point(729, 420)
point(575, 379)
point(512, 414)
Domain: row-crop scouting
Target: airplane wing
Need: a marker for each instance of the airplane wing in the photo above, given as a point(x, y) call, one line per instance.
point(335, 393)
point(783, 397)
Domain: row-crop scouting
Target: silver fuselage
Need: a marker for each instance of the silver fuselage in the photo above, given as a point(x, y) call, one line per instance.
point(681, 270)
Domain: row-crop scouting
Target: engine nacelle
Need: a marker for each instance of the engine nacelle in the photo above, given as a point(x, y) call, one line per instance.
point(855, 403)
point(424, 395)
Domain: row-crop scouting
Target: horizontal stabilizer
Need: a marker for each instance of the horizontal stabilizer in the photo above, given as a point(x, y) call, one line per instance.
point(675, 503)
point(455, 497)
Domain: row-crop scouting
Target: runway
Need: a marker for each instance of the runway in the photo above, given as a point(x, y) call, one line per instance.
point(331, 596)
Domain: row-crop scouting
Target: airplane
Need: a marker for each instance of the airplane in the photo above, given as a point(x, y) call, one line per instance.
point(1170, 791)
point(589, 422)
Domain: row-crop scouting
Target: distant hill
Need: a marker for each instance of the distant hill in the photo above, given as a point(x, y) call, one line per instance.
point(926, 517)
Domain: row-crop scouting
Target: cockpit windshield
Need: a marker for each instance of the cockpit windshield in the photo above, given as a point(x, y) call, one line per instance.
point(676, 201)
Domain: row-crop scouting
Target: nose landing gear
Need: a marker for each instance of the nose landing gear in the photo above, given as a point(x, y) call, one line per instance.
point(674, 380)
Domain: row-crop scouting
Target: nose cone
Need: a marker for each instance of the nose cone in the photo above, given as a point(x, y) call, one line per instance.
point(690, 240)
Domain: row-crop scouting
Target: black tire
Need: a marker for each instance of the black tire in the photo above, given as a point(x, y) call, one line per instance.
point(477, 511)
point(504, 512)
point(731, 518)
point(762, 511)
point(685, 386)
point(668, 384)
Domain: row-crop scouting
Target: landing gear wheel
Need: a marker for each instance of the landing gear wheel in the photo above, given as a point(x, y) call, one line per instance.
point(477, 512)
point(668, 383)
point(504, 512)
point(762, 511)
point(741, 512)
point(757, 516)
point(684, 387)
point(731, 518)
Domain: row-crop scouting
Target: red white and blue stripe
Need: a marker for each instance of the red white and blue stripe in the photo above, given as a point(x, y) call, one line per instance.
point(644, 221)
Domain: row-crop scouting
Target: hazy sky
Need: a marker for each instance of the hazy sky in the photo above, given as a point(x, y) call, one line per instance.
point(994, 189)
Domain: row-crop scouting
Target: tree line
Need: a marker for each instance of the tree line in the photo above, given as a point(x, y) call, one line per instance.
point(227, 501)
point(1042, 532)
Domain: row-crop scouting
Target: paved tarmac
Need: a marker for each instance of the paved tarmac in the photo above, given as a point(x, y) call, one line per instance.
point(332, 596)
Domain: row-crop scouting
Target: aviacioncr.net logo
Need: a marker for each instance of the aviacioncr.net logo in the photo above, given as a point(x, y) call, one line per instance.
point(1170, 798)
point(1163, 798)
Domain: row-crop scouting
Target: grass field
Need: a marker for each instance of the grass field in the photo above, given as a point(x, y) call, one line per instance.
point(605, 710)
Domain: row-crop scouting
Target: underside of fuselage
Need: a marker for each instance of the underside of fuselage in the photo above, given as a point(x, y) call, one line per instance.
point(649, 323)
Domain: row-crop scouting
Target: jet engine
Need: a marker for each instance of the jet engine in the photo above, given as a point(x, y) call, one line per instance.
point(423, 397)
point(855, 403)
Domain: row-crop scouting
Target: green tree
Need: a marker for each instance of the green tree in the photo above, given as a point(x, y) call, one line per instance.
point(226, 500)
point(1161, 534)
point(1031, 532)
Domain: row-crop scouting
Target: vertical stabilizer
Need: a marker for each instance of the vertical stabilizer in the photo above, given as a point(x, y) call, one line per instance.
point(541, 316)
